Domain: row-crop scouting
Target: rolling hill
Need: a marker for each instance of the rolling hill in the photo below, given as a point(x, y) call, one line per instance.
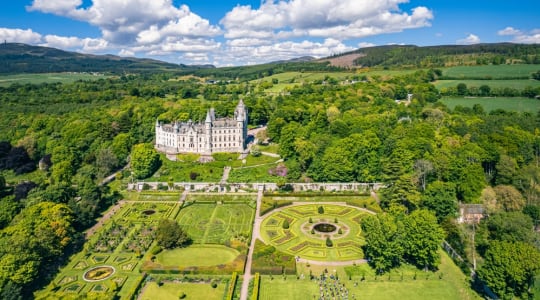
point(18, 58)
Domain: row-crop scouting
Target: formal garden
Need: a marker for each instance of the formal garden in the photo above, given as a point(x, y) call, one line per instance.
point(121, 257)
point(326, 232)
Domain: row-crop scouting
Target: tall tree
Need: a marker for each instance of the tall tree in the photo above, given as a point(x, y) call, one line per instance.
point(144, 160)
point(383, 249)
point(422, 239)
point(170, 235)
point(440, 197)
point(509, 268)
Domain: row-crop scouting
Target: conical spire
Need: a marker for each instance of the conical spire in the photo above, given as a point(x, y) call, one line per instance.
point(208, 117)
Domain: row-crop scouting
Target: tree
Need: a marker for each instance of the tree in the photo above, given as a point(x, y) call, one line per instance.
point(509, 268)
point(461, 89)
point(506, 170)
point(536, 75)
point(170, 235)
point(383, 249)
point(320, 210)
point(422, 239)
point(2, 183)
point(509, 198)
point(329, 242)
point(440, 197)
point(423, 168)
point(144, 160)
point(506, 226)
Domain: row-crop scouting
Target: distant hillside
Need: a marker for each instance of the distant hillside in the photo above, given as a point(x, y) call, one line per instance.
point(445, 55)
point(297, 59)
point(21, 58)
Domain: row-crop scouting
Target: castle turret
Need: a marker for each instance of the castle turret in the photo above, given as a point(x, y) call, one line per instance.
point(241, 116)
point(208, 133)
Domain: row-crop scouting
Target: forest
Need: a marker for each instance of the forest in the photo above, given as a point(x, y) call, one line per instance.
point(58, 142)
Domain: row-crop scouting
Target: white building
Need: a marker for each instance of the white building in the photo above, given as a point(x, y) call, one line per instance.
point(214, 135)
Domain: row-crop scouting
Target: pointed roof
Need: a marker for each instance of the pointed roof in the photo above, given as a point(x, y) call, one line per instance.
point(208, 117)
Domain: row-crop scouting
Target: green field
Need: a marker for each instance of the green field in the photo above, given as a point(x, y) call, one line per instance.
point(197, 255)
point(7, 80)
point(517, 104)
point(493, 84)
point(173, 290)
point(491, 71)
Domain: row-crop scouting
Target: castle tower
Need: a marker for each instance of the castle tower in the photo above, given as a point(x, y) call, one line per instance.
point(240, 114)
point(208, 133)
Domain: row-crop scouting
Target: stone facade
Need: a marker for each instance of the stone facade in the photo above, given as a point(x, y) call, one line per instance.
point(214, 135)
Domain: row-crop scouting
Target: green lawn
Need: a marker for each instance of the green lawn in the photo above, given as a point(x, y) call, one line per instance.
point(197, 255)
point(290, 289)
point(172, 291)
point(447, 283)
point(7, 80)
point(216, 223)
point(518, 104)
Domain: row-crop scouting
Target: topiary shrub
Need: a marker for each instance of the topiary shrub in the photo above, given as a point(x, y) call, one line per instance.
point(285, 224)
point(320, 210)
point(329, 242)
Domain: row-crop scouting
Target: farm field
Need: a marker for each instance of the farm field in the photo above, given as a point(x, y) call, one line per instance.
point(518, 104)
point(493, 84)
point(491, 71)
point(7, 80)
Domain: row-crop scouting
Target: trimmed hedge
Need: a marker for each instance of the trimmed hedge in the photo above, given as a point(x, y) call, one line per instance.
point(232, 285)
point(256, 283)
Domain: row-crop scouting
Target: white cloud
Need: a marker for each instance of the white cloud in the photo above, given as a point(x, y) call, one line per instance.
point(26, 36)
point(86, 45)
point(126, 53)
point(342, 19)
point(128, 22)
point(508, 31)
point(532, 37)
point(251, 54)
point(366, 45)
point(470, 39)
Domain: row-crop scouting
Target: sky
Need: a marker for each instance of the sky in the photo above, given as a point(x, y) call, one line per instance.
point(241, 32)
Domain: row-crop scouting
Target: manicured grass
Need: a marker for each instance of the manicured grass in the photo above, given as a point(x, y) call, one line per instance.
point(491, 71)
point(7, 80)
point(404, 283)
point(197, 255)
point(518, 104)
point(188, 169)
point(216, 223)
point(172, 291)
point(290, 289)
point(493, 84)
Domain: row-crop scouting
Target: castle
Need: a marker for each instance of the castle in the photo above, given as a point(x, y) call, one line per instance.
point(214, 135)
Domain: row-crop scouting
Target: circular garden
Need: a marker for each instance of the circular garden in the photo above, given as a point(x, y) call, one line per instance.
point(305, 231)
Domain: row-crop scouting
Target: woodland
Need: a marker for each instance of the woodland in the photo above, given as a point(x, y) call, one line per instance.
point(58, 141)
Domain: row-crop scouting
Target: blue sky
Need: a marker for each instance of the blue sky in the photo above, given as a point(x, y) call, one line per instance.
point(242, 32)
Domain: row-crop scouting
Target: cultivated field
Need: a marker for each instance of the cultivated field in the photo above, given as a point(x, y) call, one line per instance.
point(7, 80)
point(518, 104)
